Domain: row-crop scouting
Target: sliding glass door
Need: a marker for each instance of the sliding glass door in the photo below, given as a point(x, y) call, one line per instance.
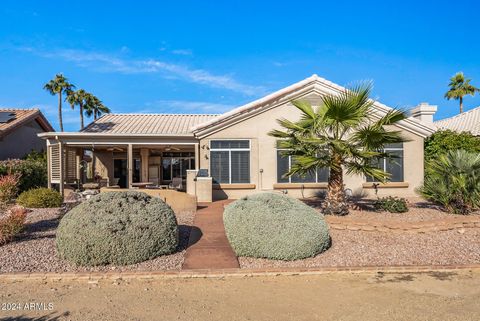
point(176, 165)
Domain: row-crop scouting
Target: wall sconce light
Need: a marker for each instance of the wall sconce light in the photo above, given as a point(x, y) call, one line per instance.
point(206, 156)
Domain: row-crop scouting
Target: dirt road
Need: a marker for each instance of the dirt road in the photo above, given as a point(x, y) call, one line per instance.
point(367, 296)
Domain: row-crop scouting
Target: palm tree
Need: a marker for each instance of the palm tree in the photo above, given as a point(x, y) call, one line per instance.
point(58, 86)
point(340, 134)
point(95, 107)
point(78, 98)
point(460, 87)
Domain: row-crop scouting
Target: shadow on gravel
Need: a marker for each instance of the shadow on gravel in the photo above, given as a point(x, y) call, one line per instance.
point(442, 276)
point(48, 317)
point(382, 278)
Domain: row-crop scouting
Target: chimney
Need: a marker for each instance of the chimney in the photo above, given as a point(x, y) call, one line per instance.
point(424, 112)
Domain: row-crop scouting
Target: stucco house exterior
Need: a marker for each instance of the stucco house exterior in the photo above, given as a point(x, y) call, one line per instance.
point(19, 129)
point(233, 151)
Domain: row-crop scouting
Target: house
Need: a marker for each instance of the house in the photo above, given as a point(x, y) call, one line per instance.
point(234, 150)
point(468, 121)
point(18, 132)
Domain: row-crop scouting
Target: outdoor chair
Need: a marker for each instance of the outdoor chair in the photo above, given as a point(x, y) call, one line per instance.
point(176, 184)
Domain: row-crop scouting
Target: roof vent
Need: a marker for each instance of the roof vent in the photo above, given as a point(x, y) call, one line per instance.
point(424, 112)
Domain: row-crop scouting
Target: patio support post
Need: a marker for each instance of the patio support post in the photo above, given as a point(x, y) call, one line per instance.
point(130, 165)
point(144, 154)
point(49, 165)
point(62, 167)
point(197, 156)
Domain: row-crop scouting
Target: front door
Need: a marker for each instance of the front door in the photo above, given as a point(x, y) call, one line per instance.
point(120, 172)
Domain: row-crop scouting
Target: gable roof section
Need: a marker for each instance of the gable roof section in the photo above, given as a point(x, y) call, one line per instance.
point(468, 121)
point(147, 124)
point(23, 116)
point(313, 84)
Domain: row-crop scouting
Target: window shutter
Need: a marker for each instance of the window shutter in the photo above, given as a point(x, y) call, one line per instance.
point(55, 163)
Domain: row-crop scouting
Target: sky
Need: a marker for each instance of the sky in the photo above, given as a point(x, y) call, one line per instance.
point(212, 56)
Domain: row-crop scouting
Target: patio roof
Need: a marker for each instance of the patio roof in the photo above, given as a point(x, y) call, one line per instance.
point(147, 124)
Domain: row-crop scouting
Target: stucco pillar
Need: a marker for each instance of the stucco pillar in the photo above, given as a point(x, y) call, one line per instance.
point(144, 154)
point(197, 156)
point(130, 165)
point(49, 165)
point(62, 167)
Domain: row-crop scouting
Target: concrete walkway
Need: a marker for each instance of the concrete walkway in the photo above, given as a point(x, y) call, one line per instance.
point(208, 244)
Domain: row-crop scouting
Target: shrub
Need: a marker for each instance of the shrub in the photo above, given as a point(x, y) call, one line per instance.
point(117, 228)
point(8, 187)
point(453, 181)
point(12, 223)
point(40, 198)
point(275, 226)
point(391, 204)
point(33, 172)
point(444, 141)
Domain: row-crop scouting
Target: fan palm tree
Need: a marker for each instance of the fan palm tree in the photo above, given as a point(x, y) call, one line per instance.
point(95, 107)
point(460, 87)
point(78, 98)
point(340, 134)
point(58, 86)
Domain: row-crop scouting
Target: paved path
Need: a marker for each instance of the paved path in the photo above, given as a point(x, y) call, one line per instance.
point(434, 295)
point(209, 247)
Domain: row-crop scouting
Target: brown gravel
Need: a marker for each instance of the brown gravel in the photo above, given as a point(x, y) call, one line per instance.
point(34, 250)
point(356, 248)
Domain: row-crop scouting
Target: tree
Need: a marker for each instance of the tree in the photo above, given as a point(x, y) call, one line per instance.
point(58, 86)
point(460, 87)
point(78, 98)
point(341, 133)
point(443, 141)
point(95, 107)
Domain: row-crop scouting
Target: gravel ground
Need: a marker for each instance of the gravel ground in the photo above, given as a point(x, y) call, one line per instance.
point(358, 248)
point(34, 250)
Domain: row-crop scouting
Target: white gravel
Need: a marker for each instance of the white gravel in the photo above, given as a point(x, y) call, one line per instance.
point(34, 250)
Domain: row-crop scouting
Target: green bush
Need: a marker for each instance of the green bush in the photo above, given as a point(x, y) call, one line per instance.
point(391, 204)
point(117, 228)
point(275, 226)
point(453, 181)
point(33, 172)
point(444, 141)
point(40, 198)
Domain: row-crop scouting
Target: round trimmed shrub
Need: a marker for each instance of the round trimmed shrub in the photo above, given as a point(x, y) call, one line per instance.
point(275, 226)
point(40, 198)
point(117, 228)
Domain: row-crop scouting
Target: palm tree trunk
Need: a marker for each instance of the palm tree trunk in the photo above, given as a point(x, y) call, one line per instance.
point(335, 202)
point(81, 117)
point(461, 105)
point(60, 121)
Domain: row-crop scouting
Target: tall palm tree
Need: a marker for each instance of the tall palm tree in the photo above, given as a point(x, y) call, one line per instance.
point(78, 98)
point(95, 107)
point(340, 134)
point(58, 86)
point(460, 87)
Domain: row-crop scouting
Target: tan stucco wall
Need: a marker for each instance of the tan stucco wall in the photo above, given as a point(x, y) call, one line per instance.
point(22, 141)
point(263, 157)
point(104, 164)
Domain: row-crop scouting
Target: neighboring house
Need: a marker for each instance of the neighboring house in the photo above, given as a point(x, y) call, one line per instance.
point(468, 121)
point(234, 148)
point(19, 129)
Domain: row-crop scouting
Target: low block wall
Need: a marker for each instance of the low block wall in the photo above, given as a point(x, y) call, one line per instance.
point(178, 201)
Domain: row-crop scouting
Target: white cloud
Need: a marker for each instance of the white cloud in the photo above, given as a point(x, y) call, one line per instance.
point(182, 52)
point(111, 63)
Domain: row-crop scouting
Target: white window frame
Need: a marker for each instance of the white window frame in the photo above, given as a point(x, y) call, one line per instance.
point(289, 167)
point(229, 150)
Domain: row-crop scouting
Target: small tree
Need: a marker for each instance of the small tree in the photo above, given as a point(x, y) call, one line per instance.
point(341, 133)
point(443, 141)
point(460, 87)
point(58, 86)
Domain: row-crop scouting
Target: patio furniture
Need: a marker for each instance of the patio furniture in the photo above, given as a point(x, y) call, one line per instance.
point(176, 184)
point(141, 184)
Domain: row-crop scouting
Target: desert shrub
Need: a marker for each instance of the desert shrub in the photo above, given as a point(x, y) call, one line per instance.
point(33, 172)
point(275, 226)
point(117, 228)
point(444, 141)
point(391, 204)
point(8, 187)
point(453, 181)
point(12, 223)
point(40, 198)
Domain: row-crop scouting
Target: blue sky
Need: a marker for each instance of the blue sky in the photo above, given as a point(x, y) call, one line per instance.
point(210, 56)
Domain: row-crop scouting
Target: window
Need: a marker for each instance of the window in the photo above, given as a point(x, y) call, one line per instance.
point(392, 165)
point(284, 163)
point(175, 164)
point(230, 161)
